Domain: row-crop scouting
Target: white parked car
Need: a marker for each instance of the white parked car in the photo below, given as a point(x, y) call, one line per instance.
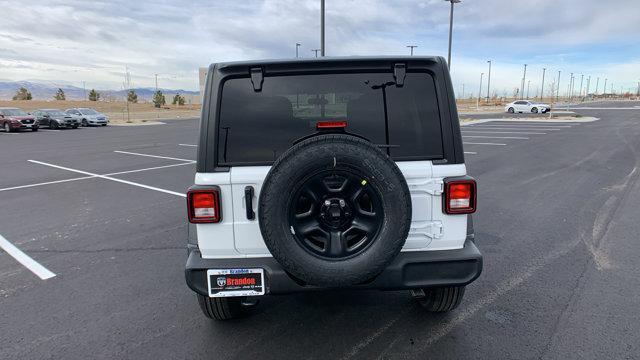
point(527, 106)
point(88, 116)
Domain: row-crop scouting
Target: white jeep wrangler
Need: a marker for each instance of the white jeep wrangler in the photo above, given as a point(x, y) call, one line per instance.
point(330, 173)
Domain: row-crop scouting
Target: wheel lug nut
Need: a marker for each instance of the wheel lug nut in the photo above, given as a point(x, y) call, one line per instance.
point(342, 203)
point(327, 202)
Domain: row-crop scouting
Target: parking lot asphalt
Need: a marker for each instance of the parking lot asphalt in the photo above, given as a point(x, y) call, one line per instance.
point(557, 224)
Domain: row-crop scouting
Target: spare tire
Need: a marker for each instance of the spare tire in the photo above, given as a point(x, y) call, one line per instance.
point(334, 210)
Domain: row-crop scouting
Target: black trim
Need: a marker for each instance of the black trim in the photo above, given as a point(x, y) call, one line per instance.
point(410, 270)
point(435, 66)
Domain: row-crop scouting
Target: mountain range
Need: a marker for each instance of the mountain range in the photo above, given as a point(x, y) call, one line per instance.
point(46, 91)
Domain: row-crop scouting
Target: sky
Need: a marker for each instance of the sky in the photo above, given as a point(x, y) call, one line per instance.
point(68, 42)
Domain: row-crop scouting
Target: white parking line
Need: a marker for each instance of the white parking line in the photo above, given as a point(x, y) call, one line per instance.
point(495, 137)
point(512, 124)
point(91, 177)
point(188, 145)
point(474, 143)
point(48, 130)
point(24, 259)
point(110, 178)
point(471, 152)
point(502, 132)
point(509, 128)
point(153, 156)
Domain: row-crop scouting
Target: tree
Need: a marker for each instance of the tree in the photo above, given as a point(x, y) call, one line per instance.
point(94, 95)
point(158, 99)
point(60, 95)
point(132, 97)
point(22, 94)
point(178, 100)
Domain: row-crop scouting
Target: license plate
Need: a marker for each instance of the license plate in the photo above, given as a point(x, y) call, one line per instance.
point(235, 282)
point(28, 125)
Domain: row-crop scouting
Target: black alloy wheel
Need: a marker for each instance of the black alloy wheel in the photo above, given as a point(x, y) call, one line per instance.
point(334, 215)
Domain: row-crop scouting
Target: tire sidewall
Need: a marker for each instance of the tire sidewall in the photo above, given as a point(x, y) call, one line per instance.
point(341, 152)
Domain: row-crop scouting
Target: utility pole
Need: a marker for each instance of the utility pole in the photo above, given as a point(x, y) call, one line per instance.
point(479, 92)
point(321, 28)
point(558, 88)
point(411, 47)
point(586, 92)
point(524, 76)
point(489, 81)
point(297, 46)
point(544, 70)
point(581, 79)
point(571, 88)
point(451, 29)
point(316, 51)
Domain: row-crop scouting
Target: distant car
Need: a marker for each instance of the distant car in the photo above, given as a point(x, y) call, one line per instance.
point(14, 119)
point(527, 106)
point(55, 118)
point(88, 116)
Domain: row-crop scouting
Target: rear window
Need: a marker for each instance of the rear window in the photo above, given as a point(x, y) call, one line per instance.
point(257, 127)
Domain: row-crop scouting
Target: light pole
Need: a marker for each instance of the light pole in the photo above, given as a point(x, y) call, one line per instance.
point(528, 86)
point(316, 51)
point(489, 81)
point(638, 93)
point(321, 28)
point(524, 76)
point(604, 88)
point(411, 47)
point(450, 29)
point(558, 88)
point(597, 83)
point(479, 92)
point(297, 46)
point(581, 79)
point(544, 70)
point(84, 90)
point(462, 90)
point(571, 88)
point(586, 91)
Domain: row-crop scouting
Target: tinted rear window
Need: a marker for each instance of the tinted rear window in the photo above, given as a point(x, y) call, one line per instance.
point(257, 127)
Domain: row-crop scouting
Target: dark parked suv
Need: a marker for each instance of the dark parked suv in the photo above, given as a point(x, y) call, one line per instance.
point(14, 119)
point(55, 118)
point(330, 173)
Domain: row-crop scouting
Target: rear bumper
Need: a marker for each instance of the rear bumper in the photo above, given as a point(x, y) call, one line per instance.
point(410, 270)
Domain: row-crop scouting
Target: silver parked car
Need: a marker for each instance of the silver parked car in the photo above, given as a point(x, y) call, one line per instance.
point(88, 116)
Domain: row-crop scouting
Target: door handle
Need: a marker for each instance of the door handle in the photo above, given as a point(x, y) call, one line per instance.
point(248, 202)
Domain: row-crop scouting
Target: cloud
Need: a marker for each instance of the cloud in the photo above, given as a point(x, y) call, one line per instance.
point(93, 41)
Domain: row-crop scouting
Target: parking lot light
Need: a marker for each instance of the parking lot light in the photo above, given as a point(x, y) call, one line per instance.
point(451, 29)
point(489, 81)
point(411, 47)
point(479, 92)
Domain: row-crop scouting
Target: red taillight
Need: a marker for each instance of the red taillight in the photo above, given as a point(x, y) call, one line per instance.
point(459, 196)
point(331, 124)
point(203, 205)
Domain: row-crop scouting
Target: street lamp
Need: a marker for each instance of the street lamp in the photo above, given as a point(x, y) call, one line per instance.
point(411, 47)
point(558, 87)
point(479, 92)
point(316, 51)
point(524, 76)
point(489, 80)
point(450, 29)
point(297, 46)
point(544, 70)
